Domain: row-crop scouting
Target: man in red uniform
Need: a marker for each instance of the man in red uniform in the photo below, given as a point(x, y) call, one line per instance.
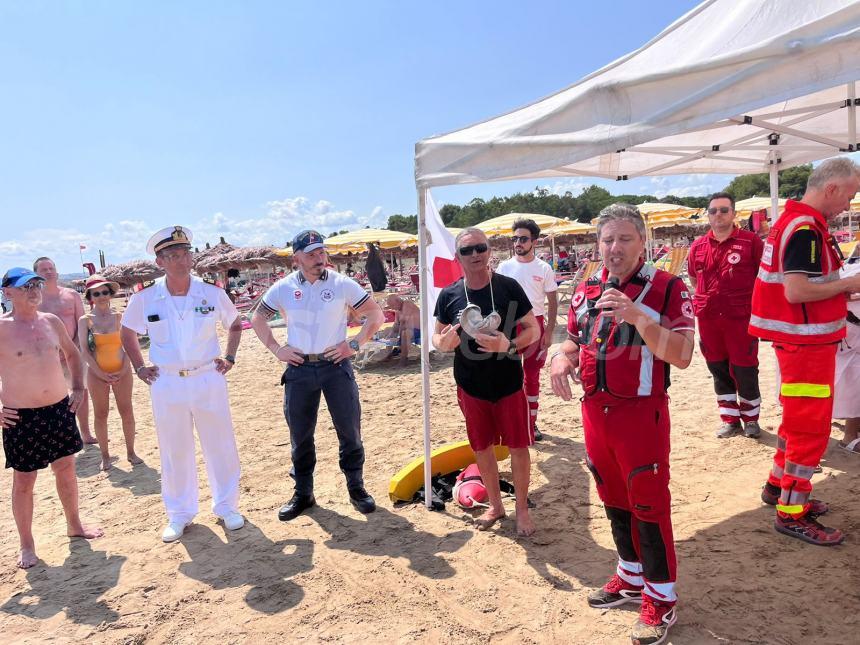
point(722, 266)
point(625, 327)
point(799, 303)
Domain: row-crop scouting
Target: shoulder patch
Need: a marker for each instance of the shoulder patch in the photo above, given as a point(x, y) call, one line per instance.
point(144, 285)
point(214, 283)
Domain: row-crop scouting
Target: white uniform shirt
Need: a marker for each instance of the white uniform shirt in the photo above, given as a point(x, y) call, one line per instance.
point(536, 278)
point(316, 314)
point(180, 339)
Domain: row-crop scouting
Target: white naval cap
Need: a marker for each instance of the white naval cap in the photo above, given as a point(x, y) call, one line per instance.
point(170, 236)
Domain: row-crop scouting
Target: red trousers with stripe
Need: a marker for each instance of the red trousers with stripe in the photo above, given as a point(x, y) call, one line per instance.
point(732, 358)
point(534, 358)
point(627, 450)
point(806, 393)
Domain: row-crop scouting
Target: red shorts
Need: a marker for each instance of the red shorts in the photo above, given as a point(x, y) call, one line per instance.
point(504, 422)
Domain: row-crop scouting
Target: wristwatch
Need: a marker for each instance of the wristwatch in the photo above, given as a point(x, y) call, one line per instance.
point(353, 345)
point(230, 359)
point(512, 350)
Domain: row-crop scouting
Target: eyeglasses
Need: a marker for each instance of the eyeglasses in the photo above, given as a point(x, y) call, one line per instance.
point(35, 285)
point(175, 257)
point(520, 239)
point(469, 250)
point(96, 294)
point(721, 209)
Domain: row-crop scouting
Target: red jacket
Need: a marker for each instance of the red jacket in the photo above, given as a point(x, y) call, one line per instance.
point(808, 323)
point(725, 273)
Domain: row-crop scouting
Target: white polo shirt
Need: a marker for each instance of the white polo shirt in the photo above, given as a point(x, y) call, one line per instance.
point(536, 278)
point(182, 332)
point(316, 313)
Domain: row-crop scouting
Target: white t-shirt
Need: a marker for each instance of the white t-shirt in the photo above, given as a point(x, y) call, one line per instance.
point(536, 278)
point(316, 314)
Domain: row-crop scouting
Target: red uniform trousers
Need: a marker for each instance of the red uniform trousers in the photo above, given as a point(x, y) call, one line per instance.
point(806, 394)
point(732, 358)
point(534, 358)
point(627, 450)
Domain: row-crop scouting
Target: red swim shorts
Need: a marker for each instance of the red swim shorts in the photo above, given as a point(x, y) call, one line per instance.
point(505, 421)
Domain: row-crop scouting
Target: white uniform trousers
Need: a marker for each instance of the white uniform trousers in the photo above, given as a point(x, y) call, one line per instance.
point(199, 399)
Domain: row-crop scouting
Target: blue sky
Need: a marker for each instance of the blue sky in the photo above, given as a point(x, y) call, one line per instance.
point(254, 120)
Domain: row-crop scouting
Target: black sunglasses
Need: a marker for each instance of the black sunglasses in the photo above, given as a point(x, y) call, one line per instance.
point(96, 294)
point(468, 250)
point(721, 209)
point(521, 239)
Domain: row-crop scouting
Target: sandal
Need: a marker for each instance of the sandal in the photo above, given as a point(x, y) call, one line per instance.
point(852, 446)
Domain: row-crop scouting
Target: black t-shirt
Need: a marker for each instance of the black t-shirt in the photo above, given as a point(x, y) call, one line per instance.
point(803, 253)
point(485, 376)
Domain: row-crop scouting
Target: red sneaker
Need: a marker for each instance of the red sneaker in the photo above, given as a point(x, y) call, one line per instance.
point(770, 495)
point(808, 529)
point(614, 593)
point(655, 619)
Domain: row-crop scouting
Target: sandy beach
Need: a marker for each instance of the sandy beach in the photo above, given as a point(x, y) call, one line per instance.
point(408, 575)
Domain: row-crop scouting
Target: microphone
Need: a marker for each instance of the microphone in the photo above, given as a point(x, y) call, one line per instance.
point(606, 322)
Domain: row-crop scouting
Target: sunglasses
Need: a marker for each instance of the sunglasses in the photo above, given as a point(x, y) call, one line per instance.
point(472, 248)
point(96, 294)
point(721, 209)
point(520, 239)
point(35, 285)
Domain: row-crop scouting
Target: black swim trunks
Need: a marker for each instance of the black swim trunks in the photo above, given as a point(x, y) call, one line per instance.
point(41, 436)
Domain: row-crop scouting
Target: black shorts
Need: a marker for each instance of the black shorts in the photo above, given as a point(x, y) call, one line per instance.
point(41, 436)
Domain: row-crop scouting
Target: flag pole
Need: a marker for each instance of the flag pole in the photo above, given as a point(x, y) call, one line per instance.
point(426, 335)
point(81, 253)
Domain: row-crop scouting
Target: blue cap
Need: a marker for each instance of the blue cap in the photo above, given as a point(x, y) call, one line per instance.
point(19, 276)
point(307, 241)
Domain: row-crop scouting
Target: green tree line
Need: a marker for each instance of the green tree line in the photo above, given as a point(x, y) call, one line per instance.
point(588, 204)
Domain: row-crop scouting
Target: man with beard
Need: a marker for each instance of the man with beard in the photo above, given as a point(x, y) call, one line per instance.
point(486, 320)
point(537, 279)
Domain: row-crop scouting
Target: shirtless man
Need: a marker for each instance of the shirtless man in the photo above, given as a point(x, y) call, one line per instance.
point(36, 408)
point(66, 305)
point(408, 319)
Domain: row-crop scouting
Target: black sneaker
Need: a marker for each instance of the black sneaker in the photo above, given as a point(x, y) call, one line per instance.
point(538, 434)
point(614, 593)
point(362, 500)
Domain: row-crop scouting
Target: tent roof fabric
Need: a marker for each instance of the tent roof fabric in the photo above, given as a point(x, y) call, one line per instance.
point(730, 87)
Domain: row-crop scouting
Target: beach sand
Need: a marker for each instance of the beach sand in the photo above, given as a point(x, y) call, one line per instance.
point(408, 575)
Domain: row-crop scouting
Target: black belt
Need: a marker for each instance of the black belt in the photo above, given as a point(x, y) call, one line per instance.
point(854, 320)
point(316, 358)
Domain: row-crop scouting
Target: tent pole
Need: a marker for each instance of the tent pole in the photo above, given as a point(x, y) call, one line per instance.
point(852, 117)
point(774, 188)
point(426, 334)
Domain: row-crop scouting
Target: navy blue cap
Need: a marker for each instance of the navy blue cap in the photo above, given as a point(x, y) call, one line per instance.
point(19, 276)
point(307, 241)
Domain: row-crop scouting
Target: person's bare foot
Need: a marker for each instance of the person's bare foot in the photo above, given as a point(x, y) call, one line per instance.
point(89, 439)
point(26, 558)
point(488, 519)
point(134, 460)
point(106, 465)
point(525, 526)
point(88, 532)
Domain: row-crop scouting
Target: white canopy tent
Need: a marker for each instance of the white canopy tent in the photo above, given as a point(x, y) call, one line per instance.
point(733, 86)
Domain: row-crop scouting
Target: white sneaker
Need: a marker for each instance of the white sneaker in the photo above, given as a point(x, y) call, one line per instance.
point(233, 521)
point(173, 531)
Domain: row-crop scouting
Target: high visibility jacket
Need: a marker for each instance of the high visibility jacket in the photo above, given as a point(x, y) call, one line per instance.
point(773, 317)
point(613, 357)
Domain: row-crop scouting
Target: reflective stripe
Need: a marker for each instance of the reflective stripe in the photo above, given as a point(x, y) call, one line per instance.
point(727, 397)
point(646, 365)
point(812, 329)
point(533, 412)
point(532, 399)
point(752, 402)
point(751, 412)
point(794, 497)
point(730, 412)
point(811, 390)
point(799, 471)
point(790, 510)
point(777, 472)
point(630, 572)
point(661, 590)
point(780, 443)
point(828, 277)
point(771, 277)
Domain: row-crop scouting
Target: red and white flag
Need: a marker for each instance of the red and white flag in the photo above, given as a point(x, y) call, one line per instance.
point(442, 263)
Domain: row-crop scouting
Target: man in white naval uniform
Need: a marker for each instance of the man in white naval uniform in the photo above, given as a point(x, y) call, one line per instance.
point(186, 380)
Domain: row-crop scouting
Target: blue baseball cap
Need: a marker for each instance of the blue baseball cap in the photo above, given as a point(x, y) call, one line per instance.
point(307, 241)
point(19, 276)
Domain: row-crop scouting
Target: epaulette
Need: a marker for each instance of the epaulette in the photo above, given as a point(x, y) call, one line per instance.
point(213, 282)
point(144, 285)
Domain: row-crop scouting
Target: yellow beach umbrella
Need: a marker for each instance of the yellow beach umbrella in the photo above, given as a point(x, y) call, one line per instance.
point(383, 238)
point(855, 203)
point(744, 207)
point(502, 225)
point(573, 228)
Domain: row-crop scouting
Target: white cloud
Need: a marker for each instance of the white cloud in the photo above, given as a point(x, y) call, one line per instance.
point(126, 239)
point(572, 186)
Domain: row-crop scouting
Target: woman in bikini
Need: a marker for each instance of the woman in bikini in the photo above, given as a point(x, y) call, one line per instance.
point(109, 367)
